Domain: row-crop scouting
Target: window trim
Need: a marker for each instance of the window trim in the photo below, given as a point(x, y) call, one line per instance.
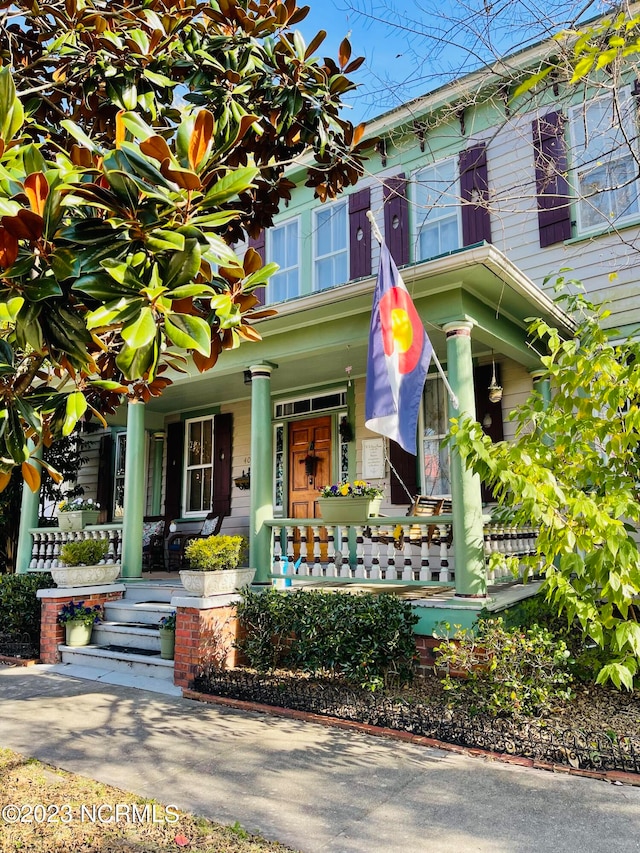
point(199, 513)
point(268, 254)
point(315, 258)
point(630, 130)
point(456, 204)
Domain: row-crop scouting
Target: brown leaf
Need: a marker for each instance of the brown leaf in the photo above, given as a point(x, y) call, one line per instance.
point(5, 477)
point(249, 333)
point(156, 147)
point(344, 52)
point(252, 261)
point(37, 190)
point(24, 226)
point(31, 476)
point(206, 362)
point(315, 43)
point(8, 249)
point(182, 177)
point(200, 138)
point(120, 129)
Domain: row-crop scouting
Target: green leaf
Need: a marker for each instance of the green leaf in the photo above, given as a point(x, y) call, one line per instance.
point(9, 309)
point(142, 330)
point(235, 182)
point(183, 266)
point(188, 332)
point(75, 409)
point(135, 362)
point(80, 136)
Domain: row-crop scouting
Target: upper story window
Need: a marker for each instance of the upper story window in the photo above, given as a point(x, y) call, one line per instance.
point(437, 210)
point(331, 254)
point(604, 141)
point(283, 248)
point(198, 466)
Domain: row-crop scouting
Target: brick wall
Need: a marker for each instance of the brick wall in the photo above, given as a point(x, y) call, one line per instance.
point(51, 633)
point(202, 635)
point(425, 647)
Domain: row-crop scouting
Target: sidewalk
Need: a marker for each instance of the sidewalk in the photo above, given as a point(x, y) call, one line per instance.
point(308, 786)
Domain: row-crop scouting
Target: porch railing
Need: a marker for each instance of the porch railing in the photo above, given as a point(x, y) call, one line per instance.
point(47, 542)
point(405, 548)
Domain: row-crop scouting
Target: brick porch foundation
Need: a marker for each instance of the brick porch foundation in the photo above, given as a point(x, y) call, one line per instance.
point(204, 633)
point(52, 601)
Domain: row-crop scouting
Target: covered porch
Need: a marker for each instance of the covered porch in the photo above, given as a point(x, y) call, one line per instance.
point(311, 363)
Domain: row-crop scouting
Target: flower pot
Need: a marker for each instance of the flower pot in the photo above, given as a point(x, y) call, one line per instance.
point(167, 643)
point(78, 633)
point(78, 519)
point(216, 583)
point(85, 575)
point(347, 509)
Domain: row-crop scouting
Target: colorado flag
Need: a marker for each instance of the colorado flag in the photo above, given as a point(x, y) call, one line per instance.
point(398, 359)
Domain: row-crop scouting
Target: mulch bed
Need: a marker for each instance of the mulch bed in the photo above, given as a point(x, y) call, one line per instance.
point(599, 729)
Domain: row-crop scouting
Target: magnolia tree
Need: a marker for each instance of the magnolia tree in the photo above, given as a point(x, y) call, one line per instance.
point(138, 143)
point(573, 471)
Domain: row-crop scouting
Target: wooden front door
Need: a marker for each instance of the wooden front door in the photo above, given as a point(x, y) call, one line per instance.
point(309, 465)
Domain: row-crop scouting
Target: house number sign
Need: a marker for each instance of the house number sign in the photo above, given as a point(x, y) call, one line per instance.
point(373, 467)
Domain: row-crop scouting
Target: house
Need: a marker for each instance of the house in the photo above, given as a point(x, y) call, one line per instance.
point(479, 198)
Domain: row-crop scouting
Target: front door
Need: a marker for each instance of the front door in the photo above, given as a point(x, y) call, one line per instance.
point(309, 464)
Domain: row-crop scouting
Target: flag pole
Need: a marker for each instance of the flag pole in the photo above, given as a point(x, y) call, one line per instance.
point(454, 400)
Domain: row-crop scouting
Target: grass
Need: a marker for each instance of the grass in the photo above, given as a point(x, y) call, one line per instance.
point(78, 815)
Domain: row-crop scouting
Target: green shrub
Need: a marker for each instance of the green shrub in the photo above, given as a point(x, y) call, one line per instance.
point(366, 639)
point(215, 553)
point(86, 552)
point(19, 607)
point(506, 672)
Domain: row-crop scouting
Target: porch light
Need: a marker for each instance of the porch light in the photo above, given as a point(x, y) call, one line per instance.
point(244, 481)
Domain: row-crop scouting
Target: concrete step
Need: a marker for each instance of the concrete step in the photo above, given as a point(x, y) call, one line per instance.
point(153, 590)
point(109, 676)
point(130, 662)
point(136, 612)
point(138, 636)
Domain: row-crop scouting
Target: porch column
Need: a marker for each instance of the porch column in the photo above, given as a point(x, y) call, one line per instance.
point(261, 472)
point(542, 384)
point(466, 495)
point(156, 483)
point(29, 514)
point(134, 497)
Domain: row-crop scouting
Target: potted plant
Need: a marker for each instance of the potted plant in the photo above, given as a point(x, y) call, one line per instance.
point(76, 514)
point(167, 631)
point(78, 622)
point(349, 503)
point(84, 564)
point(213, 566)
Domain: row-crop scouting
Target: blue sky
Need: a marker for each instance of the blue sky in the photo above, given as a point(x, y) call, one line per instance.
point(414, 46)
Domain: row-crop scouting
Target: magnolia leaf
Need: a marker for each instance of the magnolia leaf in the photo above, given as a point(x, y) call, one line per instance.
point(142, 330)
point(31, 476)
point(189, 332)
point(75, 409)
point(183, 266)
point(79, 135)
point(233, 183)
point(156, 147)
point(201, 138)
point(9, 309)
point(136, 362)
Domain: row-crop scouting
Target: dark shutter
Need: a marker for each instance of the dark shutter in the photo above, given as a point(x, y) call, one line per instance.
point(474, 191)
point(173, 475)
point(104, 490)
point(406, 464)
point(222, 448)
point(359, 234)
point(488, 414)
point(258, 243)
point(396, 219)
point(554, 212)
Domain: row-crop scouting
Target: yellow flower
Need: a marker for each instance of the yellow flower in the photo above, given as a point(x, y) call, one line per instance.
point(344, 489)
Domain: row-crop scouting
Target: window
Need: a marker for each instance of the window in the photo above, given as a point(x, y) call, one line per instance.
point(436, 466)
point(118, 487)
point(331, 261)
point(283, 248)
point(198, 465)
point(604, 169)
point(438, 210)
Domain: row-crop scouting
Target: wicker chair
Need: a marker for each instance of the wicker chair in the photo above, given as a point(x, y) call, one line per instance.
point(179, 540)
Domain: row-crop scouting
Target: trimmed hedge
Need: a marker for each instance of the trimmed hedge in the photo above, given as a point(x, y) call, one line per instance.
point(19, 607)
point(365, 639)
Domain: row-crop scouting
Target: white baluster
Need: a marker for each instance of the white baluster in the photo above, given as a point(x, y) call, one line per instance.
point(318, 568)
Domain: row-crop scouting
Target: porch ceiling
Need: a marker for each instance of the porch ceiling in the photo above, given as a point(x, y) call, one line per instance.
point(314, 338)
